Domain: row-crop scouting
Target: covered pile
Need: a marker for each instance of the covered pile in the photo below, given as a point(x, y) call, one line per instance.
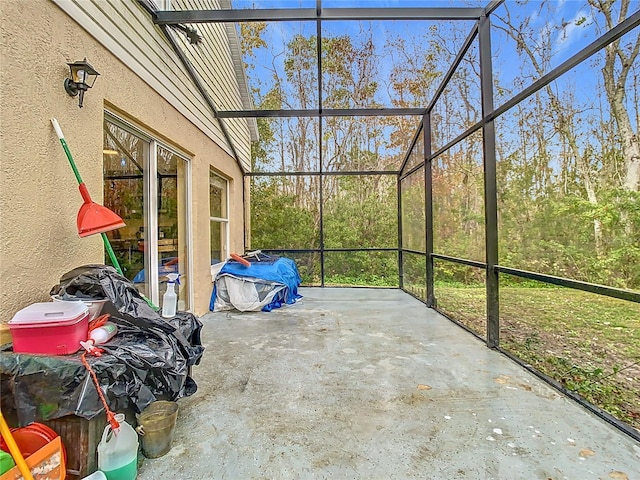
point(149, 359)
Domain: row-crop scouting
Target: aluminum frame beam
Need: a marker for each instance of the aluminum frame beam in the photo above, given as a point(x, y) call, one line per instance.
point(402, 13)
point(613, 292)
point(332, 173)
point(197, 81)
point(490, 184)
point(166, 17)
point(331, 112)
point(454, 66)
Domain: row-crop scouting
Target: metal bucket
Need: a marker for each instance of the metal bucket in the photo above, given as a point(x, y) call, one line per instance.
point(155, 426)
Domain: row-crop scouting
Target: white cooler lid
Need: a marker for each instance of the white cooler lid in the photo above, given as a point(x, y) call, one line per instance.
point(50, 313)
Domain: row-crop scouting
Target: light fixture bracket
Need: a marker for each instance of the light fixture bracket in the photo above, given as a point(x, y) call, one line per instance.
point(70, 87)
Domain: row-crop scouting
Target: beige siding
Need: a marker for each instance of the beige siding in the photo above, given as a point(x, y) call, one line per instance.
point(220, 70)
point(127, 31)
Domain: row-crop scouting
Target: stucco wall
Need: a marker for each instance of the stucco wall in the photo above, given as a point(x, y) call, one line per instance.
point(39, 196)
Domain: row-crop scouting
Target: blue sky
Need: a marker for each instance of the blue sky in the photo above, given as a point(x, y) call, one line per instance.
point(564, 26)
point(577, 29)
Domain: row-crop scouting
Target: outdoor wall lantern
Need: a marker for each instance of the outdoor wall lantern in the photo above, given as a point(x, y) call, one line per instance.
point(83, 76)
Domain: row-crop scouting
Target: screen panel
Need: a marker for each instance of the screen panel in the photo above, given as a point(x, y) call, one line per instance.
point(588, 343)
point(285, 212)
point(360, 211)
point(458, 200)
point(362, 269)
point(412, 191)
point(461, 294)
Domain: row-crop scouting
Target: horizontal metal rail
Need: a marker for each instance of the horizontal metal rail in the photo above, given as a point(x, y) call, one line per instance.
point(324, 112)
point(328, 250)
point(461, 261)
point(406, 13)
point(323, 173)
point(170, 17)
point(575, 284)
point(415, 252)
point(167, 17)
point(385, 249)
point(629, 295)
point(290, 250)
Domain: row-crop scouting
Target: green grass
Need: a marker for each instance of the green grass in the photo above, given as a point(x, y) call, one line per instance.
point(589, 343)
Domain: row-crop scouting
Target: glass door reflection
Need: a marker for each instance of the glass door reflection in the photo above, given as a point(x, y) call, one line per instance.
point(125, 163)
point(172, 223)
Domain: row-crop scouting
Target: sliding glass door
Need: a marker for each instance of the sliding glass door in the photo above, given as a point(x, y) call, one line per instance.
point(146, 183)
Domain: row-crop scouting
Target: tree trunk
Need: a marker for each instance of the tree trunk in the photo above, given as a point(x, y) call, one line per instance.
point(616, 93)
point(563, 125)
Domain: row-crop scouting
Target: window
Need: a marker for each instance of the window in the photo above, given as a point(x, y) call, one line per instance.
point(219, 218)
point(145, 182)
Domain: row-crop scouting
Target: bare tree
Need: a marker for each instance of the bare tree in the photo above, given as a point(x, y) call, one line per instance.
point(538, 55)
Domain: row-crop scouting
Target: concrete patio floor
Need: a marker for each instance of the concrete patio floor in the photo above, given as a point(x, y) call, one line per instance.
point(368, 383)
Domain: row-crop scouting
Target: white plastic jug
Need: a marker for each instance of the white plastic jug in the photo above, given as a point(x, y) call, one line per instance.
point(97, 475)
point(118, 451)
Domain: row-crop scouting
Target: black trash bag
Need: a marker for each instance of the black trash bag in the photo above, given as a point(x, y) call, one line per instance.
point(149, 359)
point(102, 281)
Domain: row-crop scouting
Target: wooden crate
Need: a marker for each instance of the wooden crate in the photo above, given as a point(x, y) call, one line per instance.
point(80, 438)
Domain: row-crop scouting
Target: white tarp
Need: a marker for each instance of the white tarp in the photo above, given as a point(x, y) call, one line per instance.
point(246, 294)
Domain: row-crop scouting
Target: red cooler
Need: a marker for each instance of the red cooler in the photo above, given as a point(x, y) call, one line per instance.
point(53, 328)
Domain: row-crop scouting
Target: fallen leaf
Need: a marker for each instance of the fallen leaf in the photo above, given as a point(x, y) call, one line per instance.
point(619, 475)
point(422, 386)
point(586, 452)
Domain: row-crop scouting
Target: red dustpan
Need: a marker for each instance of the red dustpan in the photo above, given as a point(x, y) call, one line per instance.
point(94, 218)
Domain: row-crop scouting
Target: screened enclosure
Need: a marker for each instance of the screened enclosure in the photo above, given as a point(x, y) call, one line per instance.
point(482, 157)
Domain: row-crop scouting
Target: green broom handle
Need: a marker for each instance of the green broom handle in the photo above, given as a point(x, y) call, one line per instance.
point(111, 253)
point(58, 130)
point(116, 265)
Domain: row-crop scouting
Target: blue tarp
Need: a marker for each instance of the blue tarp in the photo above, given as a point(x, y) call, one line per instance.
point(165, 266)
point(282, 271)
